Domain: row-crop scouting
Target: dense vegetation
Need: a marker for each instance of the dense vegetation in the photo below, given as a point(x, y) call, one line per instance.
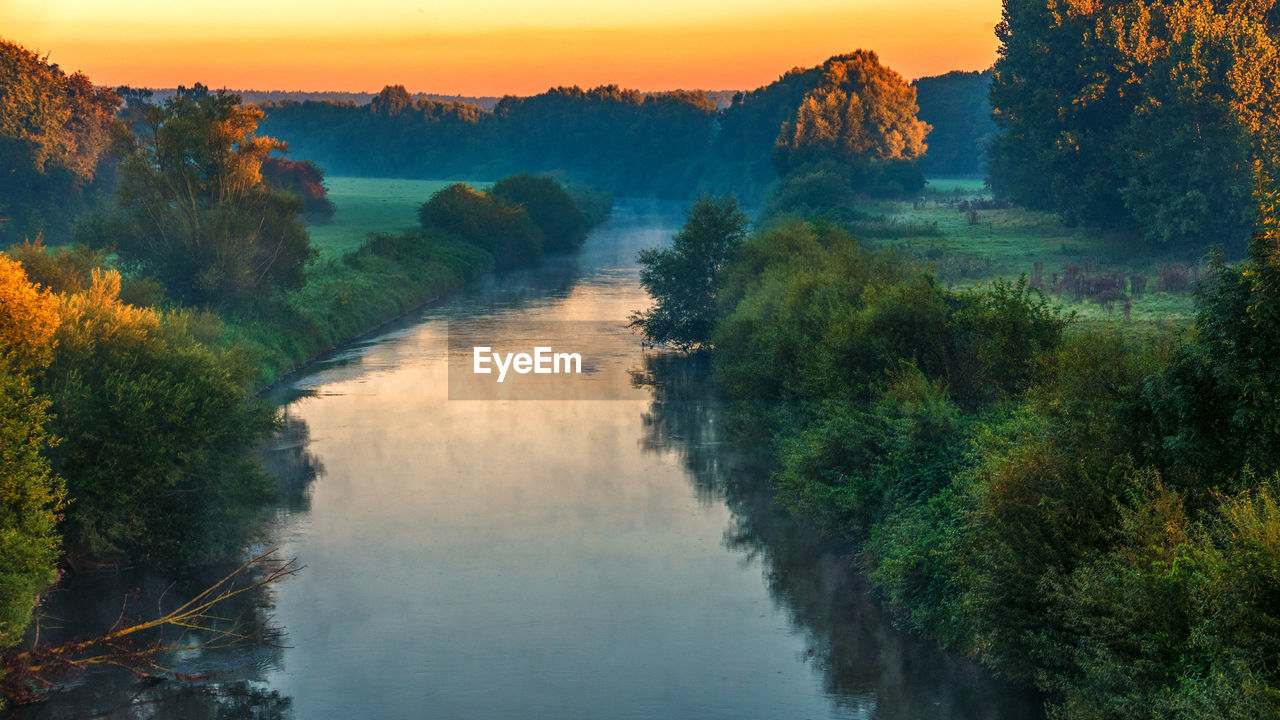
point(302, 179)
point(684, 277)
point(1152, 117)
point(850, 109)
point(32, 495)
point(193, 208)
point(1092, 512)
point(1079, 509)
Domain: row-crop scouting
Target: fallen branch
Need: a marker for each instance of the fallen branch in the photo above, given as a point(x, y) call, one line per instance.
point(26, 676)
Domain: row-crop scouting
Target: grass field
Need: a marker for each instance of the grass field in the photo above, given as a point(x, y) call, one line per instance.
point(969, 249)
point(366, 205)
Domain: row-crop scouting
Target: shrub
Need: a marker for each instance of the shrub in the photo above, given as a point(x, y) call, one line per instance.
point(506, 231)
point(552, 210)
point(158, 433)
point(31, 495)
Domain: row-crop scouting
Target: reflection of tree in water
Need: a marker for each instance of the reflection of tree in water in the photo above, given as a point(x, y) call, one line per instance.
point(867, 665)
point(685, 415)
point(289, 460)
point(230, 701)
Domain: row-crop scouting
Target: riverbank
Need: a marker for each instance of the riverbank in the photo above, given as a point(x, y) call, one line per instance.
point(440, 537)
point(1089, 509)
point(354, 289)
point(346, 298)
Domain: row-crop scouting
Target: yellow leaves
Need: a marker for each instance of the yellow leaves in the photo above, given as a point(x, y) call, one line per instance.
point(28, 316)
point(97, 315)
point(33, 320)
point(862, 111)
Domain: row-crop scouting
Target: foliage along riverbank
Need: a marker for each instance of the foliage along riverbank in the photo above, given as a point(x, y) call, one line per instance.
point(1085, 508)
point(132, 427)
point(1091, 512)
point(466, 233)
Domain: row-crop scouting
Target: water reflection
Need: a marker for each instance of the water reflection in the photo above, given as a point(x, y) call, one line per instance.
point(290, 461)
point(867, 666)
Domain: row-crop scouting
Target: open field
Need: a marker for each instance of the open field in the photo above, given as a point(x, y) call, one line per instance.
point(366, 205)
point(972, 246)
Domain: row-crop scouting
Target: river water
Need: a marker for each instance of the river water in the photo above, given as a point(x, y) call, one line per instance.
point(535, 558)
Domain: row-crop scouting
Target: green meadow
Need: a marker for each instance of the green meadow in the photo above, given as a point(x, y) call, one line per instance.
point(970, 245)
point(366, 205)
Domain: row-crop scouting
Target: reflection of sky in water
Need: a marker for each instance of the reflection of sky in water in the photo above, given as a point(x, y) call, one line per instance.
point(558, 559)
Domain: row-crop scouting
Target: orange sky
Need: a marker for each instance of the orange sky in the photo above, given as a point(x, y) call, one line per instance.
point(492, 47)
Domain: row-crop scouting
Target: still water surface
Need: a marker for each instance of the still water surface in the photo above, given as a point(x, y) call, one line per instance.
point(539, 559)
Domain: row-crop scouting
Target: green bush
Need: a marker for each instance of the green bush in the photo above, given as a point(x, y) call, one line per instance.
point(549, 206)
point(31, 495)
point(482, 219)
point(157, 431)
point(683, 278)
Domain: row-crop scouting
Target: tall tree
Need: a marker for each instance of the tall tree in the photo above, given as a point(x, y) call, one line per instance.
point(861, 113)
point(1144, 116)
point(194, 210)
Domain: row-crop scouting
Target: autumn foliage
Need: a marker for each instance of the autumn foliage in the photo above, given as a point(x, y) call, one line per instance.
point(861, 112)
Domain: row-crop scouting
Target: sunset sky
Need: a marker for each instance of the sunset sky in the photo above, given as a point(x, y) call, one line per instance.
point(492, 47)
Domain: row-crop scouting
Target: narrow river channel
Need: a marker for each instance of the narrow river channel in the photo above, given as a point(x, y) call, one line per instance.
point(537, 559)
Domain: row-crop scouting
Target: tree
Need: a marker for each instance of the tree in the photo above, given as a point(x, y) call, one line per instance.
point(31, 496)
point(861, 113)
point(194, 210)
point(683, 278)
point(957, 106)
point(57, 132)
point(305, 180)
point(1143, 116)
point(158, 434)
point(485, 220)
point(1207, 109)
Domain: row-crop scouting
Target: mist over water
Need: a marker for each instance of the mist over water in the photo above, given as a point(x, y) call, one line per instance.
point(540, 559)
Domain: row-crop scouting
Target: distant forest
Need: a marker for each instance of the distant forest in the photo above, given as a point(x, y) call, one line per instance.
point(721, 98)
point(667, 144)
point(848, 126)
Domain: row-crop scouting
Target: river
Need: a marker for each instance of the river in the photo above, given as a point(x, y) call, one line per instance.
point(505, 559)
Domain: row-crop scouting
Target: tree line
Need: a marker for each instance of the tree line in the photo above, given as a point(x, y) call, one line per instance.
point(851, 110)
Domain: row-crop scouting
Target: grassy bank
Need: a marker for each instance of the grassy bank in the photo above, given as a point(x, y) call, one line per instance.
point(348, 296)
point(375, 262)
point(969, 239)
